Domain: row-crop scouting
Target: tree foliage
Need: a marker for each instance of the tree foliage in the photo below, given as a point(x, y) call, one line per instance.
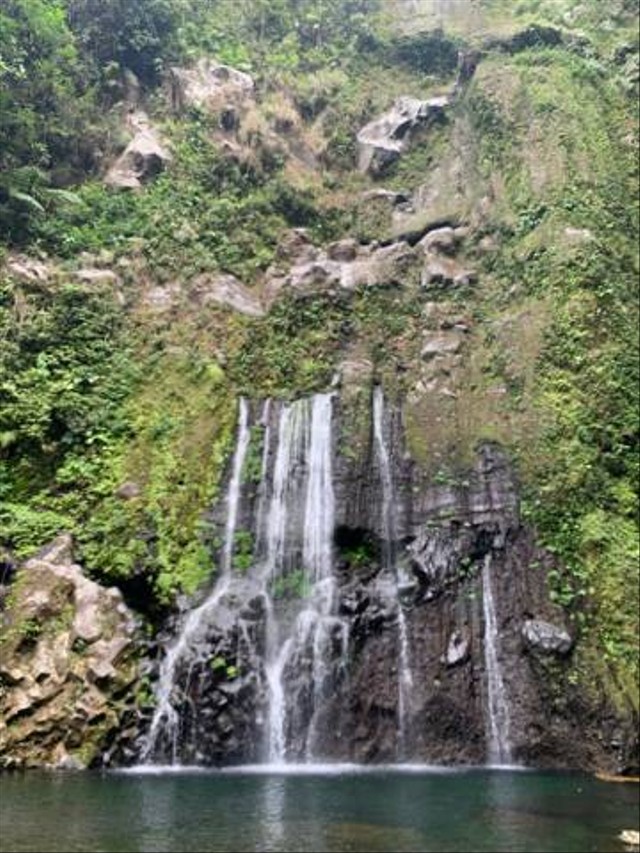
point(140, 36)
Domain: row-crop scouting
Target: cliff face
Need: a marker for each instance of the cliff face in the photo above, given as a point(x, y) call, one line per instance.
point(437, 642)
point(446, 222)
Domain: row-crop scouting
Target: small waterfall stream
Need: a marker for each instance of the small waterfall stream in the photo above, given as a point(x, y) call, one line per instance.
point(498, 734)
point(233, 495)
point(165, 720)
point(389, 527)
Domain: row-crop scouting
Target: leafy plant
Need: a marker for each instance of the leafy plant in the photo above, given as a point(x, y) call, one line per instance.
point(292, 585)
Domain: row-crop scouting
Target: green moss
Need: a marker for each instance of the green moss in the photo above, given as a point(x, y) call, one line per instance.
point(252, 468)
point(182, 424)
point(293, 350)
point(294, 584)
point(243, 551)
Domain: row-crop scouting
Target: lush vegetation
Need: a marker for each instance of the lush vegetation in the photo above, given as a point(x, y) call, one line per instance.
point(116, 419)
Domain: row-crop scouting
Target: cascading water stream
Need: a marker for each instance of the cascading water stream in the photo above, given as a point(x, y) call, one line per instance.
point(235, 484)
point(317, 551)
point(498, 733)
point(302, 480)
point(405, 675)
point(317, 557)
point(165, 720)
point(263, 496)
point(290, 447)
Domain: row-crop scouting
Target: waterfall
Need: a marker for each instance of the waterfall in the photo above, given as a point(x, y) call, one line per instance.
point(498, 742)
point(389, 528)
point(292, 428)
point(302, 666)
point(235, 483)
point(165, 722)
point(288, 471)
point(317, 553)
point(263, 496)
point(319, 509)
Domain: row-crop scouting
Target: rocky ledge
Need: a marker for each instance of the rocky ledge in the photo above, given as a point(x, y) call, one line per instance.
point(67, 663)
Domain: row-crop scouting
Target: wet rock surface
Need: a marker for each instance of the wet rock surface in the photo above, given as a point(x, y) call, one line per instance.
point(449, 538)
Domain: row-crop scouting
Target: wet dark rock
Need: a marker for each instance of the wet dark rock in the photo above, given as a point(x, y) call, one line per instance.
point(448, 535)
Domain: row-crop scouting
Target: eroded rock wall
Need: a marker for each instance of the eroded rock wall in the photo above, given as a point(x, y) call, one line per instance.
point(451, 540)
point(68, 664)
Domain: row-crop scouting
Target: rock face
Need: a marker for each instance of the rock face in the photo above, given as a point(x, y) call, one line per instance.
point(543, 637)
point(210, 86)
point(344, 266)
point(143, 158)
point(67, 649)
point(446, 590)
point(383, 140)
point(441, 268)
point(228, 291)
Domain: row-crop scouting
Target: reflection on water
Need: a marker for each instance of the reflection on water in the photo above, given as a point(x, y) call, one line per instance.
point(340, 810)
point(272, 816)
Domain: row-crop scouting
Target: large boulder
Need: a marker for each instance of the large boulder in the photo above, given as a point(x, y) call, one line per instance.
point(541, 636)
point(439, 246)
point(210, 86)
point(67, 657)
point(143, 158)
point(383, 140)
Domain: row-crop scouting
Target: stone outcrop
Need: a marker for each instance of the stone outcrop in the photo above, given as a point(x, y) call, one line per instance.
point(225, 290)
point(543, 637)
point(441, 267)
point(210, 86)
point(67, 657)
point(206, 289)
point(143, 158)
point(344, 266)
point(90, 275)
point(28, 269)
point(383, 140)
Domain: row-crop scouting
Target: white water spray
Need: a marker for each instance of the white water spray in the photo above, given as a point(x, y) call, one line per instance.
point(389, 526)
point(498, 734)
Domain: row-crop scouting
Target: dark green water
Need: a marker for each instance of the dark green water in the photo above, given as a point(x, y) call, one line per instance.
point(382, 810)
